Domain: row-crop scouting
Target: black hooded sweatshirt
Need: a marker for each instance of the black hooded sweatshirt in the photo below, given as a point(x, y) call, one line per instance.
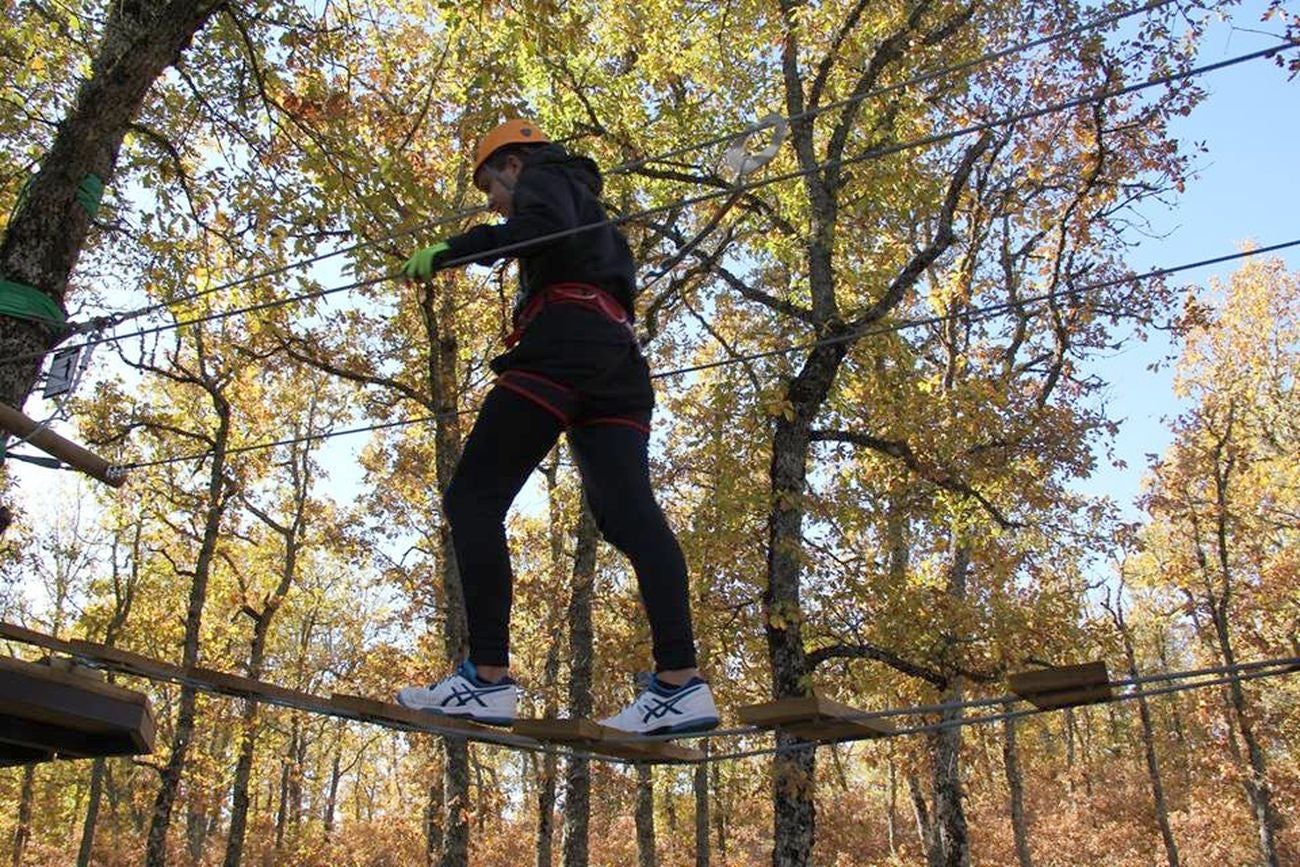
point(556, 191)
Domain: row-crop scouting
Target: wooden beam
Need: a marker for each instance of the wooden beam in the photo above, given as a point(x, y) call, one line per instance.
point(1063, 686)
point(45, 709)
point(583, 734)
point(67, 451)
point(814, 718)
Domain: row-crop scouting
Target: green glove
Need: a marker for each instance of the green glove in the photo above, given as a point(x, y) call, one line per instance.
point(425, 261)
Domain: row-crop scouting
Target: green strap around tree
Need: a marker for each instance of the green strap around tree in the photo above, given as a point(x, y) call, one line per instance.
point(89, 193)
point(26, 302)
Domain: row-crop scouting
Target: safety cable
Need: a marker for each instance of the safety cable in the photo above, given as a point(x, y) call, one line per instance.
point(1192, 680)
point(632, 165)
point(1288, 664)
point(870, 154)
point(1283, 667)
point(871, 331)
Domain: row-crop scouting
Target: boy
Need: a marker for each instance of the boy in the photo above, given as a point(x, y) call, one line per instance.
point(573, 364)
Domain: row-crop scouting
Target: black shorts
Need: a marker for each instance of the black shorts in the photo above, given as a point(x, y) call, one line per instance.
point(581, 367)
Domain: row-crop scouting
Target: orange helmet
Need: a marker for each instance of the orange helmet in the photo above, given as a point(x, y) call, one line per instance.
point(517, 131)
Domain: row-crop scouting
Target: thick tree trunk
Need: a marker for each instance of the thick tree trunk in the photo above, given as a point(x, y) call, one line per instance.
point(332, 796)
point(925, 833)
point(1016, 788)
point(718, 812)
point(433, 822)
point(793, 770)
point(645, 817)
point(196, 829)
point(577, 777)
point(546, 769)
point(952, 838)
point(42, 242)
point(239, 799)
point(949, 817)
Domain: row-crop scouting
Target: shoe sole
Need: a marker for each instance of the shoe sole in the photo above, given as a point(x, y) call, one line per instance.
point(498, 721)
point(699, 725)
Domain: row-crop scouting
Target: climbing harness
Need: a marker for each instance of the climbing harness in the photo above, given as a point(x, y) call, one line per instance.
point(582, 294)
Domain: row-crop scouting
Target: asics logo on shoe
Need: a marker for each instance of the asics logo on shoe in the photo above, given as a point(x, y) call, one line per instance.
point(656, 707)
point(463, 697)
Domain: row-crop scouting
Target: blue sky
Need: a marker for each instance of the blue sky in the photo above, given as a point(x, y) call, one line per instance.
point(1245, 189)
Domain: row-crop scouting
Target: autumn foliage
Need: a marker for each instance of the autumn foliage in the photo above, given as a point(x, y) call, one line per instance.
point(874, 411)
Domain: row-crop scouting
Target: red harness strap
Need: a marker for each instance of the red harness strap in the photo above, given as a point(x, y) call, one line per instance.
point(582, 294)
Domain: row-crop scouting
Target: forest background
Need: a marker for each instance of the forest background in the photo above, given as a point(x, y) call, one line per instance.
point(900, 515)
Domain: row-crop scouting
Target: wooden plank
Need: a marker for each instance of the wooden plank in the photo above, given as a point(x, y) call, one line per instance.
point(127, 662)
point(244, 687)
point(73, 679)
point(14, 632)
point(1063, 686)
point(56, 711)
point(387, 713)
point(592, 737)
point(814, 718)
point(65, 450)
point(16, 754)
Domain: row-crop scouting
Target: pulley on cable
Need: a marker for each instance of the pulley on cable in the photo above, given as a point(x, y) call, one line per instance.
point(739, 163)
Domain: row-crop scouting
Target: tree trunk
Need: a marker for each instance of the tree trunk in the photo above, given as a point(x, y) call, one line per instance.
point(645, 816)
point(49, 226)
point(925, 832)
point(577, 777)
point(951, 838)
point(546, 768)
point(1255, 782)
point(92, 813)
point(702, 811)
point(217, 498)
point(239, 800)
point(719, 812)
point(1148, 742)
point(23, 830)
point(332, 798)
point(291, 535)
point(196, 828)
point(445, 397)
point(433, 822)
point(1016, 788)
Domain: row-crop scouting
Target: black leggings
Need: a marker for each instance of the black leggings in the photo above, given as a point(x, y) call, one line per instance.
point(510, 438)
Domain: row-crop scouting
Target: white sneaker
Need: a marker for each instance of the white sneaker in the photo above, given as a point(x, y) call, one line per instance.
point(465, 695)
point(663, 709)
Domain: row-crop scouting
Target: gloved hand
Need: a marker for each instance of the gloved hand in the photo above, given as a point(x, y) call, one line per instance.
point(426, 261)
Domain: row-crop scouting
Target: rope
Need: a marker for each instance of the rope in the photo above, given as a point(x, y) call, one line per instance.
point(633, 165)
point(870, 154)
point(871, 331)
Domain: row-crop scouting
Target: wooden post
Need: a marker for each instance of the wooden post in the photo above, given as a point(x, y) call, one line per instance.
point(67, 451)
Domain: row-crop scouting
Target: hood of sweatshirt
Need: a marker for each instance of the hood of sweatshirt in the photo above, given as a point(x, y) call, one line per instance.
point(582, 169)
